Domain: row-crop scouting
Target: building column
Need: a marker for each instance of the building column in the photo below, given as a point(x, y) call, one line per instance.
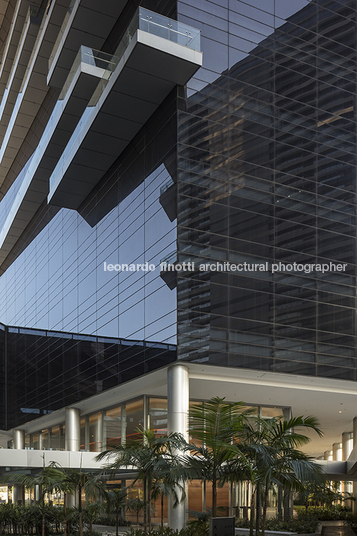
point(72, 430)
point(96, 433)
point(337, 452)
point(40, 441)
point(18, 492)
point(72, 439)
point(337, 457)
point(354, 491)
point(286, 497)
point(177, 421)
point(347, 446)
point(123, 424)
point(328, 455)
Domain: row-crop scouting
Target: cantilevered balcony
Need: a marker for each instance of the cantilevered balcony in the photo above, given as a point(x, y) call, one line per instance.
point(23, 53)
point(12, 40)
point(155, 54)
point(84, 24)
point(30, 190)
point(33, 88)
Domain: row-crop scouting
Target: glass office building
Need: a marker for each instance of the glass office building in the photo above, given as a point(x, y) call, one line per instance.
point(218, 133)
point(266, 174)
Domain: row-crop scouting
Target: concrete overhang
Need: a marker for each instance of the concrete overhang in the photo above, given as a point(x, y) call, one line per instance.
point(79, 88)
point(85, 24)
point(34, 87)
point(12, 41)
point(150, 67)
point(36, 459)
point(321, 397)
point(24, 49)
point(352, 463)
point(334, 470)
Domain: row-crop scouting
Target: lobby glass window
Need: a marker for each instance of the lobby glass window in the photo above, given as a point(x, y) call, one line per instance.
point(195, 497)
point(83, 434)
point(45, 439)
point(222, 499)
point(95, 427)
point(158, 415)
point(268, 413)
point(35, 441)
point(195, 441)
point(55, 438)
point(62, 436)
point(135, 491)
point(113, 424)
point(134, 419)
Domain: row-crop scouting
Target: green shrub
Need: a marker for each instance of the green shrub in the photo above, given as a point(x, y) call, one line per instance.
point(325, 514)
point(305, 525)
point(191, 529)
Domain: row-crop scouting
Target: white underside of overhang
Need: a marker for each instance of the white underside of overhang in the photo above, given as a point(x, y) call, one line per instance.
point(34, 188)
point(332, 402)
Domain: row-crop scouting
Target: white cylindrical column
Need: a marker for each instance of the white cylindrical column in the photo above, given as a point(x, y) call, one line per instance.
point(337, 452)
point(177, 421)
point(354, 505)
point(178, 400)
point(72, 440)
point(347, 445)
point(18, 437)
point(123, 424)
point(354, 434)
point(328, 455)
point(97, 438)
point(72, 430)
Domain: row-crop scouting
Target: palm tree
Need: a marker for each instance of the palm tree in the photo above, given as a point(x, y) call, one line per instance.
point(47, 480)
point(65, 486)
point(92, 484)
point(162, 488)
point(269, 448)
point(90, 511)
point(136, 505)
point(213, 427)
point(154, 458)
point(116, 500)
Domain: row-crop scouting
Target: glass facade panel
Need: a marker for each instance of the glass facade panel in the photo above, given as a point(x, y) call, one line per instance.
point(266, 173)
point(158, 415)
point(113, 427)
point(95, 430)
point(84, 445)
point(134, 413)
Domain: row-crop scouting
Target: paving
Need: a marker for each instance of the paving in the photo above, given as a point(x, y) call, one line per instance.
point(336, 528)
point(109, 530)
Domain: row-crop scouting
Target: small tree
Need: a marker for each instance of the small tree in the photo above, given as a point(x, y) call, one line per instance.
point(214, 426)
point(47, 481)
point(136, 505)
point(269, 450)
point(91, 483)
point(90, 511)
point(115, 501)
point(155, 458)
